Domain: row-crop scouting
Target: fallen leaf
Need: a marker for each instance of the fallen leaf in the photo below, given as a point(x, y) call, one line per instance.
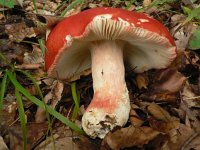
point(70, 142)
point(43, 7)
point(8, 114)
point(189, 97)
point(142, 80)
point(67, 139)
point(35, 132)
point(19, 31)
point(159, 113)
point(52, 98)
point(35, 57)
point(3, 145)
point(12, 51)
point(2, 16)
point(169, 80)
point(190, 116)
point(166, 87)
point(182, 34)
point(129, 137)
point(153, 96)
point(185, 133)
point(146, 3)
point(50, 21)
point(48, 81)
point(162, 121)
point(192, 58)
point(177, 18)
point(187, 2)
point(193, 142)
point(135, 120)
point(20, 2)
point(192, 72)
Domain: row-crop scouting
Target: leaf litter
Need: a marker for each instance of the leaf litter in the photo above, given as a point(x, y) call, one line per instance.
point(165, 103)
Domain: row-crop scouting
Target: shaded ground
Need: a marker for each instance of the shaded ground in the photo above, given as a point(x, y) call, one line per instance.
point(165, 103)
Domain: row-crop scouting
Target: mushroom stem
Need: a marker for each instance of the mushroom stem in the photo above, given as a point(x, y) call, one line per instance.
point(110, 105)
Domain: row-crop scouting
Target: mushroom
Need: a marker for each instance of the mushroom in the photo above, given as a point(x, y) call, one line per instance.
point(103, 40)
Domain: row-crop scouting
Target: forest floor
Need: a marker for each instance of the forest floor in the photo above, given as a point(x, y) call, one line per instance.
point(165, 104)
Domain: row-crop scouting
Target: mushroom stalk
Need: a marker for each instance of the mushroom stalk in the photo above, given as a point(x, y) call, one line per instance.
point(110, 105)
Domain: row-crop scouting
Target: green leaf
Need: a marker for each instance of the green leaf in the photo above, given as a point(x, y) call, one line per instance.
point(194, 42)
point(32, 79)
point(186, 10)
point(42, 45)
point(76, 98)
point(2, 90)
point(195, 13)
point(21, 117)
point(35, 6)
point(72, 5)
point(7, 3)
point(41, 104)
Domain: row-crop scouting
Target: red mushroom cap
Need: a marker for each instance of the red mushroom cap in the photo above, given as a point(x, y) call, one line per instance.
point(76, 28)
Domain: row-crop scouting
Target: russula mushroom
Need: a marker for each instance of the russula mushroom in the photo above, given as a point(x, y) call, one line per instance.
point(103, 39)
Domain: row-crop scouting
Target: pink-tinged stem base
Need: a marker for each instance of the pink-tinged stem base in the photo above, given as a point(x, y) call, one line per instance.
point(110, 105)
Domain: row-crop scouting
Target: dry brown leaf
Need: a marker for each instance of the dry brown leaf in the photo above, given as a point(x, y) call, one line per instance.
point(160, 97)
point(185, 132)
point(134, 119)
point(35, 57)
point(191, 116)
point(20, 2)
point(12, 51)
point(1, 16)
point(53, 97)
point(146, 3)
point(129, 137)
point(142, 80)
point(177, 18)
point(8, 114)
point(48, 81)
point(19, 31)
point(189, 3)
point(193, 142)
point(182, 34)
point(159, 113)
point(168, 83)
point(69, 143)
point(3, 146)
point(169, 80)
point(190, 97)
point(192, 58)
point(65, 138)
point(163, 122)
point(35, 132)
point(43, 7)
point(50, 21)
